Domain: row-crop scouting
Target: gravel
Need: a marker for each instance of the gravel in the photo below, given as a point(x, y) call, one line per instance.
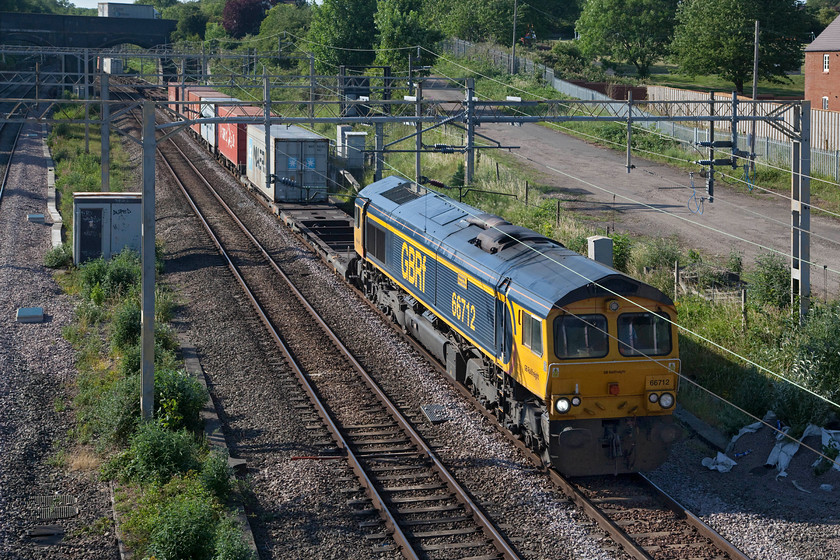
point(37, 367)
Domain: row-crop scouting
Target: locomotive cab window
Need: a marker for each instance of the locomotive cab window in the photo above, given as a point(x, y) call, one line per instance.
point(581, 336)
point(357, 216)
point(532, 333)
point(644, 334)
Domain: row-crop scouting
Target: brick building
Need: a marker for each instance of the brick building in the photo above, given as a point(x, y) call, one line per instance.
point(822, 69)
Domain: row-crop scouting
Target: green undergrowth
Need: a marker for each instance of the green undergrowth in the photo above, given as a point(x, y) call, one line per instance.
point(78, 170)
point(172, 485)
point(172, 489)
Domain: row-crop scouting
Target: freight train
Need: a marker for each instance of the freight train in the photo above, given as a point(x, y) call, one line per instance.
point(578, 359)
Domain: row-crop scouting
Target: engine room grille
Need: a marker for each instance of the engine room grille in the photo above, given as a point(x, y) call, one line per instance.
point(401, 194)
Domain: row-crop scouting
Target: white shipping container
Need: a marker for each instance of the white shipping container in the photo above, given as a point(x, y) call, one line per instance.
point(112, 65)
point(105, 223)
point(297, 155)
point(114, 9)
point(208, 111)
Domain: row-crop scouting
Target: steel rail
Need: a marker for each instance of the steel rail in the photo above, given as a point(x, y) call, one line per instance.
point(701, 527)
point(460, 493)
point(13, 148)
point(320, 407)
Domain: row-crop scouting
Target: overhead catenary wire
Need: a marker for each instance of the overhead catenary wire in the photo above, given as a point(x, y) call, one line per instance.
point(716, 230)
point(762, 368)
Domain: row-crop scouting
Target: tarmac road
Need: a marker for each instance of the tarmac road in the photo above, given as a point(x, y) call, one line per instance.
point(653, 199)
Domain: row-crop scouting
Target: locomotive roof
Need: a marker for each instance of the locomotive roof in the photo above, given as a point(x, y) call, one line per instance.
point(543, 273)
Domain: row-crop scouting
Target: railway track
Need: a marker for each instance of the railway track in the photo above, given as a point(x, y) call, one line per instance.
point(427, 518)
point(403, 496)
point(10, 132)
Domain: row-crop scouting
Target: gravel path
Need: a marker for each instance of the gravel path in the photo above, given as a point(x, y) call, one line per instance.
point(36, 366)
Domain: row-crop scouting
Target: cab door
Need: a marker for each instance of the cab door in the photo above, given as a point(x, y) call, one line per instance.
point(359, 215)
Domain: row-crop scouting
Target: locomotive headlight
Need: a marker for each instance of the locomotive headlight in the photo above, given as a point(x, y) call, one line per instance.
point(575, 401)
point(653, 397)
point(562, 405)
point(666, 400)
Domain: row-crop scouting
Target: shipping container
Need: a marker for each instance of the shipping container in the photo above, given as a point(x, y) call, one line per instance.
point(208, 111)
point(195, 96)
point(112, 65)
point(177, 91)
point(105, 224)
point(173, 89)
point(298, 159)
point(233, 137)
point(113, 9)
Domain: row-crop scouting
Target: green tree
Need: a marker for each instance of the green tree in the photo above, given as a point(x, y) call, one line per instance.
point(819, 14)
point(192, 22)
point(160, 5)
point(400, 24)
point(284, 18)
point(342, 33)
point(716, 37)
point(636, 32)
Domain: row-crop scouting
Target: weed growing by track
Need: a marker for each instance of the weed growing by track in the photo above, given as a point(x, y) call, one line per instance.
point(172, 489)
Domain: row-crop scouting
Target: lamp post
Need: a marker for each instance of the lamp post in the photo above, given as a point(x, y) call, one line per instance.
point(513, 48)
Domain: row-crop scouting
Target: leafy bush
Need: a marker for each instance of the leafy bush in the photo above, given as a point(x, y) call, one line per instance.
point(229, 542)
point(215, 475)
point(125, 326)
point(156, 454)
point(91, 274)
point(59, 257)
point(797, 409)
point(771, 280)
point(816, 363)
point(184, 527)
point(621, 251)
point(117, 413)
point(179, 398)
point(165, 358)
point(658, 253)
point(122, 272)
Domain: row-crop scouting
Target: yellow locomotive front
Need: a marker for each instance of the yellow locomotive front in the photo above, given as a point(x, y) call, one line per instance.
point(610, 374)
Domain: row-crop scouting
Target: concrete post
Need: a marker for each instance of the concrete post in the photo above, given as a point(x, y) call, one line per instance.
point(105, 133)
point(87, 97)
point(147, 242)
point(800, 209)
point(418, 140)
point(269, 156)
point(312, 87)
point(379, 155)
point(470, 152)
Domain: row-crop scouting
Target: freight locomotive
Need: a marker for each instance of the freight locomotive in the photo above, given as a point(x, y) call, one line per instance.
point(578, 359)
